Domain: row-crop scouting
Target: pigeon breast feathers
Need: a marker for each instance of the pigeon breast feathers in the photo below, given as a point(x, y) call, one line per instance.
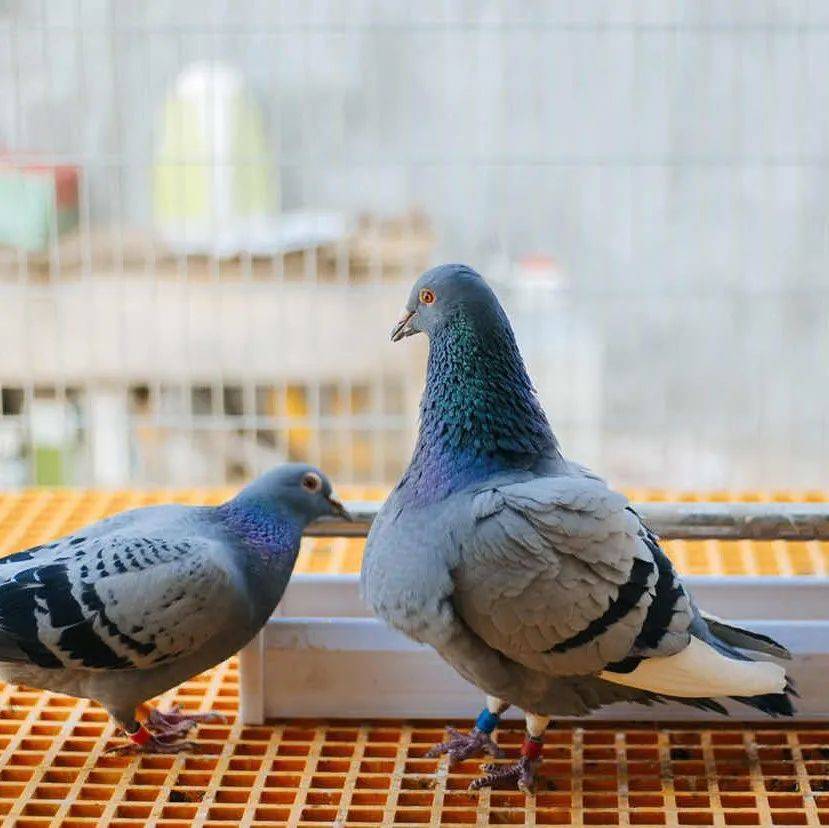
point(559, 574)
point(113, 602)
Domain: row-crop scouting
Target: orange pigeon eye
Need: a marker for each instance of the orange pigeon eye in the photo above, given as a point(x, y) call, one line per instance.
point(427, 296)
point(312, 482)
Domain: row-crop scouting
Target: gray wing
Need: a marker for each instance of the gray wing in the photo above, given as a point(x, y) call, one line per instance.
point(407, 579)
point(559, 574)
point(532, 690)
point(113, 602)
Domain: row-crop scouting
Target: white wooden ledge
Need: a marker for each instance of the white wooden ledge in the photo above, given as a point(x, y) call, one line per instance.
point(321, 655)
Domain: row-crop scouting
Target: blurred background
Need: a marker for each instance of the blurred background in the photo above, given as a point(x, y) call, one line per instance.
point(211, 214)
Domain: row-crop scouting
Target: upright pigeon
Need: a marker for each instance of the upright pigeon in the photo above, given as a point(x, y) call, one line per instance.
point(534, 580)
point(131, 606)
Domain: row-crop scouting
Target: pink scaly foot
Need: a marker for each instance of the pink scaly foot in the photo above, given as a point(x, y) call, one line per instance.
point(174, 723)
point(142, 740)
point(522, 773)
point(461, 746)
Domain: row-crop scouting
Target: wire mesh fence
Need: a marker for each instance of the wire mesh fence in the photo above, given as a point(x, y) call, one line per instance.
point(210, 214)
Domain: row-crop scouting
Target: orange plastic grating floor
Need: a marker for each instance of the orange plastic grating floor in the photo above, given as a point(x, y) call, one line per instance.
point(54, 770)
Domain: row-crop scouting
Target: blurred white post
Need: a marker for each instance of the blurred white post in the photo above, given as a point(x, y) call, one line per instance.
point(109, 435)
point(252, 690)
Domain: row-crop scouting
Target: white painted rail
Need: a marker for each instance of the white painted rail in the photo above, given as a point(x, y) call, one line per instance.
point(672, 521)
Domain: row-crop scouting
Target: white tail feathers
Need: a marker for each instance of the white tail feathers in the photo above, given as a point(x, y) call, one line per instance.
point(700, 671)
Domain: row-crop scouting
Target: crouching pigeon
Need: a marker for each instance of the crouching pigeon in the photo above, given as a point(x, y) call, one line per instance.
point(131, 606)
point(532, 578)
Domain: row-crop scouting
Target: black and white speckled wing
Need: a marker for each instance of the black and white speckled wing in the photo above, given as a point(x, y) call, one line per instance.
point(113, 602)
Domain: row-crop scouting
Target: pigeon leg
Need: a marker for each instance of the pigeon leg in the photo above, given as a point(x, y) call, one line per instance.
point(175, 723)
point(478, 741)
point(522, 772)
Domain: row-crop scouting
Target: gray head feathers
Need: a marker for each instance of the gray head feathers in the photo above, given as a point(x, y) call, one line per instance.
point(445, 292)
point(295, 491)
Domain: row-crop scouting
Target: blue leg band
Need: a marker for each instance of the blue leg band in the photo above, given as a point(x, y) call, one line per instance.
point(487, 722)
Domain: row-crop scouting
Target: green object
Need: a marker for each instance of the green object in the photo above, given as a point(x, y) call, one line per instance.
point(213, 159)
point(49, 469)
point(182, 188)
point(28, 212)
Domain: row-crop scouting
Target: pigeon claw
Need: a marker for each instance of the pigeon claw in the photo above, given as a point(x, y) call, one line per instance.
point(522, 773)
point(174, 723)
point(153, 745)
point(462, 746)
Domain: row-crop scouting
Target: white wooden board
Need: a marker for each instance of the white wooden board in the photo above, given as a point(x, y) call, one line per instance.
point(322, 656)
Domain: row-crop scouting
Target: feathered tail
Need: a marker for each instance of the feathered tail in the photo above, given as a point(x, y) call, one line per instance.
point(744, 639)
point(727, 637)
point(711, 666)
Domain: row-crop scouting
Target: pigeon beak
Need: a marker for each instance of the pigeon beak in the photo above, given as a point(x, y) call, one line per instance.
point(339, 510)
point(403, 329)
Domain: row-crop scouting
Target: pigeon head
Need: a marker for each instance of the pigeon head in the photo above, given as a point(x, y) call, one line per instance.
point(479, 413)
point(442, 295)
point(295, 492)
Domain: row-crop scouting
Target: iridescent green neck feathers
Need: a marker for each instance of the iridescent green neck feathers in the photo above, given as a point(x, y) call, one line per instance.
point(479, 413)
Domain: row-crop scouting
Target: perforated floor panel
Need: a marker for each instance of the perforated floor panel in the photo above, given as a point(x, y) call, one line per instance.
point(54, 770)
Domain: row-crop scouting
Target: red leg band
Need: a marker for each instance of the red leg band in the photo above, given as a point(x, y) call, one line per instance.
point(141, 736)
point(531, 748)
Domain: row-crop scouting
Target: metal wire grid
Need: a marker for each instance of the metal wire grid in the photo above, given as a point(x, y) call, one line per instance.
point(231, 428)
point(355, 440)
point(637, 163)
point(54, 772)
